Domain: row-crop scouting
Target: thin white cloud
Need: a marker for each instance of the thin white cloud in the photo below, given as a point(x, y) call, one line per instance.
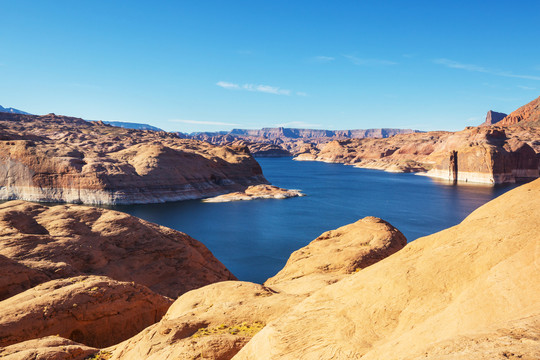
point(526, 87)
point(227, 85)
point(369, 62)
point(298, 124)
point(476, 68)
point(199, 122)
point(255, 88)
point(322, 59)
point(301, 93)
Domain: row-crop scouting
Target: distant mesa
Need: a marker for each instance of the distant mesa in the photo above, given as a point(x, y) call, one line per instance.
point(493, 117)
point(12, 110)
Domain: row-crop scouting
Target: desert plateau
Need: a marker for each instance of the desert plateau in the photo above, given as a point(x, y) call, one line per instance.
point(271, 180)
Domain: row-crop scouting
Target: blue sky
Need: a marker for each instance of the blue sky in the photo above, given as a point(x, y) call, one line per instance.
point(217, 65)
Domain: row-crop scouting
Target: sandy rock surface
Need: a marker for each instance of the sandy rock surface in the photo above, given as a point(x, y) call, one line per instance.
point(94, 310)
point(216, 321)
point(336, 254)
point(468, 292)
point(50, 242)
point(47, 348)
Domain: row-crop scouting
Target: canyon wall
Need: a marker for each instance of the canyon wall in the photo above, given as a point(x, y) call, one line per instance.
point(61, 159)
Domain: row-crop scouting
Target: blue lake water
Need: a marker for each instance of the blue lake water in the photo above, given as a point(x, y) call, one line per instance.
point(255, 238)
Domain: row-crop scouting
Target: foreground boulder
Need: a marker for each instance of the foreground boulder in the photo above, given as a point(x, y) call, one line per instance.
point(47, 348)
point(46, 243)
point(216, 321)
point(468, 292)
point(93, 310)
point(337, 253)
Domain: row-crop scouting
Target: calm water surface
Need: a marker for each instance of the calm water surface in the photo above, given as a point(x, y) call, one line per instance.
point(254, 238)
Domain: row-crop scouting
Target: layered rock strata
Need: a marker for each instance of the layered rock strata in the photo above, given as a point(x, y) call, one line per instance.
point(468, 292)
point(484, 156)
point(61, 159)
point(257, 192)
point(529, 113)
point(279, 142)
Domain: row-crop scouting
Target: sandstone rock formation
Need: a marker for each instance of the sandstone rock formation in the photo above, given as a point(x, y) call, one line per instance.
point(257, 192)
point(95, 310)
point(468, 292)
point(62, 159)
point(216, 321)
point(529, 113)
point(40, 243)
point(493, 118)
point(278, 142)
point(47, 348)
point(337, 253)
point(484, 155)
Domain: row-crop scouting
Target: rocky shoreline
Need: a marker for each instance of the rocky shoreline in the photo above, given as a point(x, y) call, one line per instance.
point(361, 290)
point(62, 159)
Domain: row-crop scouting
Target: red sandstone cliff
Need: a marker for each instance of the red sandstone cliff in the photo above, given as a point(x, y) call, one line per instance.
point(529, 113)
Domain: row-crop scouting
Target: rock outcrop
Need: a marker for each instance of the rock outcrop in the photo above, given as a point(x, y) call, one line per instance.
point(62, 159)
point(95, 310)
point(529, 113)
point(216, 321)
point(42, 243)
point(336, 254)
point(468, 292)
point(257, 192)
point(484, 155)
point(493, 118)
point(47, 348)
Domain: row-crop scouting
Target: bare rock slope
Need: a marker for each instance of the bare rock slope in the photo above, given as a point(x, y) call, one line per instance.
point(528, 113)
point(94, 310)
point(47, 348)
point(44, 243)
point(216, 321)
point(468, 292)
point(62, 159)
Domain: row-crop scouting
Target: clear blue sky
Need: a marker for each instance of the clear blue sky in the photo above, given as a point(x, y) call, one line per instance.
point(215, 65)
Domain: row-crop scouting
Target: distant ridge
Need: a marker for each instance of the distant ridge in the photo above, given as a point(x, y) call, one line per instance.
point(13, 111)
point(293, 133)
point(131, 125)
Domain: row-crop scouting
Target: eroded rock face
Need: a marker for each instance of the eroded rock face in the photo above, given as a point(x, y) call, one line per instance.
point(216, 321)
point(47, 348)
point(95, 310)
point(62, 241)
point(493, 118)
point(468, 292)
point(337, 253)
point(529, 113)
point(484, 155)
point(255, 192)
point(62, 159)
